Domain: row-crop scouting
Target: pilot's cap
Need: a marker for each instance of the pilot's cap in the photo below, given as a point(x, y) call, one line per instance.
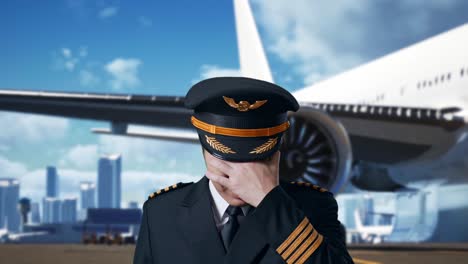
point(238, 118)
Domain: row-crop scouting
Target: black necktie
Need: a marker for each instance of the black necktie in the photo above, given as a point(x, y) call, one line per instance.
point(230, 228)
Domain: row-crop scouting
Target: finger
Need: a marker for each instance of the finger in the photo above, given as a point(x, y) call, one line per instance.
point(224, 181)
point(221, 165)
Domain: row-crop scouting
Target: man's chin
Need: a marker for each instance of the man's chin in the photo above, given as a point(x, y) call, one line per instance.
point(237, 202)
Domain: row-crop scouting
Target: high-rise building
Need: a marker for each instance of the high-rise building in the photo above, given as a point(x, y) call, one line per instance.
point(35, 215)
point(51, 210)
point(9, 197)
point(88, 195)
point(52, 187)
point(109, 188)
point(68, 214)
point(133, 205)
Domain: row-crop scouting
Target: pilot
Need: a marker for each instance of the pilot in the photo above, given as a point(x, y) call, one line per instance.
point(240, 211)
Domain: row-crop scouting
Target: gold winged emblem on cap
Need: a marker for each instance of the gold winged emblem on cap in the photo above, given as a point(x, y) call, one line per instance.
point(243, 106)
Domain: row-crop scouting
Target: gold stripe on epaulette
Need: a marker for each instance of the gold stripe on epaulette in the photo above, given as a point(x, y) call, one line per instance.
point(167, 189)
point(308, 184)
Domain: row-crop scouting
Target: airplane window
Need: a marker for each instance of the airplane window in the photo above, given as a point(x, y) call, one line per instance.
point(442, 78)
point(448, 76)
point(424, 84)
point(418, 85)
point(462, 72)
point(429, 83)
point(436, 80)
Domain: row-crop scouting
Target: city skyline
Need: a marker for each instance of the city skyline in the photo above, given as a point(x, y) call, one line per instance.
point(54, 207)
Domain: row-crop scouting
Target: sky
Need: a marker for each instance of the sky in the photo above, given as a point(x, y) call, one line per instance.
point(162, 48)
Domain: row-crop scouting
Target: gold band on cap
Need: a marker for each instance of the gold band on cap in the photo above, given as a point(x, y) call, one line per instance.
point(238, 132)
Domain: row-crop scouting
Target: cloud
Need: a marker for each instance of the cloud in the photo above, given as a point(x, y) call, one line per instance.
point(69, 61)
point(88, 79)
point(140, 153)
point(66, 52)
point(211, 71)
point(64, 60)
point(139, 184)
point(83, 52)
point(124, 72)
point(32, 128)
point(81, 157)
point(11, 169)
point(108, 12)
point(319, 38)
point(145, 21)
point(4, 148)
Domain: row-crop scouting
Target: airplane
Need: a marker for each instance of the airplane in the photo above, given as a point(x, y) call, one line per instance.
point(365, 126)
point(375, 233)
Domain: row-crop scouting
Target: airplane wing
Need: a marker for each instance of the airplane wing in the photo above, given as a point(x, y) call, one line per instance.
point(394, 134)
point(119, 109)
point(371, 128)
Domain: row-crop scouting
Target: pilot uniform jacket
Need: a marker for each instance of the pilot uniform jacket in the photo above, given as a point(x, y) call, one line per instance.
point(294, 223)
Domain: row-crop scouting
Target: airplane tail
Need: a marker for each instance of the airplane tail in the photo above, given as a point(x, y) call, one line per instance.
point(253, 62)
point(357, 220)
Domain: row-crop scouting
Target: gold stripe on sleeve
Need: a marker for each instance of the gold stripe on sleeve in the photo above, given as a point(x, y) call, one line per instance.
point(303, 247)
point(297, 242)
point(292, 236)
point(311, 250)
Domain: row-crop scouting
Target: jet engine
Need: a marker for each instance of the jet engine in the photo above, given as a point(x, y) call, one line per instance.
point(316, 149)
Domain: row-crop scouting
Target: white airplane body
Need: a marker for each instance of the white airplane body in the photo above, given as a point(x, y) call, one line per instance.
point(430, 74)
point(374, 233)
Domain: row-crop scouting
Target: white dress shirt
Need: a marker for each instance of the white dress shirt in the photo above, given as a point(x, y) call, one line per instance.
point(219, 207)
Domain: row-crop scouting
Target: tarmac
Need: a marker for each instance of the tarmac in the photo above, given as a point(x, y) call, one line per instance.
point(115, 254)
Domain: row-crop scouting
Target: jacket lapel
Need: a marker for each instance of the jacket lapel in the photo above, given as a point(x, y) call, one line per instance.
point(195, 219)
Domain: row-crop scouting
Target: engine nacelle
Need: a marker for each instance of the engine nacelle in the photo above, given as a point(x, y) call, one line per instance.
point(316, 149)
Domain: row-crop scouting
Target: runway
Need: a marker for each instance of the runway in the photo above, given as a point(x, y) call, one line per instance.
point(90, 254)
point(409, 253)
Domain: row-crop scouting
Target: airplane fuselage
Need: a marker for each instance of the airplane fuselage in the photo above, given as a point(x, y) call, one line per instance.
point(432, 73)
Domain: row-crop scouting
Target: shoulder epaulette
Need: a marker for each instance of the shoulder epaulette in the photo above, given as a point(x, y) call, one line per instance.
point(169, 188)
point(308, 184)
